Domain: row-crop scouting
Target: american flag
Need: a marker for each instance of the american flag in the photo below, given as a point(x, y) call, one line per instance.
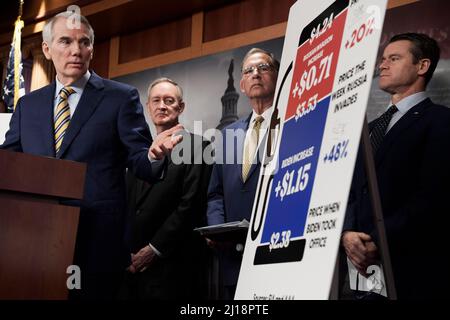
point(13, 87)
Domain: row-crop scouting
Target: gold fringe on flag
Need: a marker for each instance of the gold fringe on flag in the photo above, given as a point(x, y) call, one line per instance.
point(17, 56)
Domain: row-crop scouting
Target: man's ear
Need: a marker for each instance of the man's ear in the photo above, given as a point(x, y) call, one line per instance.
point(46, 50)
point(181, 107)
point(241, 85)
point(424, 65)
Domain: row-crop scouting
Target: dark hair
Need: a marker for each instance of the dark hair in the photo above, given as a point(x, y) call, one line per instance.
point(273, 61)
point(423, 47)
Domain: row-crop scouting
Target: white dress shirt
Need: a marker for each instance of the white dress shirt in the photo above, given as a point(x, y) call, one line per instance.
point(74, 98)
point(404, 106)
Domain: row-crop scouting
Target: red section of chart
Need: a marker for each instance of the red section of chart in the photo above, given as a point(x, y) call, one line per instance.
point(315, 69)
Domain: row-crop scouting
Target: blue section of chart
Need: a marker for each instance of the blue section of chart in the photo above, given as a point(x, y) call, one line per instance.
point(291, 212)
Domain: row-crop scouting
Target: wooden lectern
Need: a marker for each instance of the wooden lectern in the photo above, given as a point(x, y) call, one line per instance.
point(37, 233)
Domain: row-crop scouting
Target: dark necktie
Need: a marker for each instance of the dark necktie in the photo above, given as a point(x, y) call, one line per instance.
point(380, 126)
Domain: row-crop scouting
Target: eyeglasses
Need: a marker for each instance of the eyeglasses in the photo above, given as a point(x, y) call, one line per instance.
point(262, 68)
point(167, 101)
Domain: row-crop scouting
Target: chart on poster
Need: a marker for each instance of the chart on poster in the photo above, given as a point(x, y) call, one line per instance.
point(329, 56)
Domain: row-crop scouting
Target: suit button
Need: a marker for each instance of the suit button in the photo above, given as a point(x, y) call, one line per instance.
point(138, 212)
point(365, 190)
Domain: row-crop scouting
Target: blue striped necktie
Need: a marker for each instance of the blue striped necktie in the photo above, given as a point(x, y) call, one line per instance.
point(62, 116)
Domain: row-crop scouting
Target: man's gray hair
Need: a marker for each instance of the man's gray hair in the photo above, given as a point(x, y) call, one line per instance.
point(164, 79)
point(272, 60)
point(47, 31)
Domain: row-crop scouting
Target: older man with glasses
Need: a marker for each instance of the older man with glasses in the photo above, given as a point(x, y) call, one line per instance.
point(167, 256)
point(233, 185)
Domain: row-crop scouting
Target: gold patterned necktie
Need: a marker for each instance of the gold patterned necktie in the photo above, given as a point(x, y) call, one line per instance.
point(62, 116)
point(251, 145)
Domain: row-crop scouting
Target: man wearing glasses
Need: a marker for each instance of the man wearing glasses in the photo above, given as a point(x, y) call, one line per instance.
point(233, 185)
point(167, 260)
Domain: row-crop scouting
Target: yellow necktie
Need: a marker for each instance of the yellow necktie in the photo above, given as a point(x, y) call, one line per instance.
point(62, 116)
point(251, 145)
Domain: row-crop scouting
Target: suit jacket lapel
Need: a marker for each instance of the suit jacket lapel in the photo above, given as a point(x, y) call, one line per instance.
point(46, 100)
point(142, 190)
point(404, 123)
point(92, 95)
point(258, 154)
point(243, 124)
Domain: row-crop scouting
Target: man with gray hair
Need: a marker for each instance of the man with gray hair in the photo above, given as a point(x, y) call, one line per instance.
point(168, 257)
point(233, 185)
point(85, 118)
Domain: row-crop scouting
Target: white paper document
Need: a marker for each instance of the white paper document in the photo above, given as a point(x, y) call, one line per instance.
point(224, 227)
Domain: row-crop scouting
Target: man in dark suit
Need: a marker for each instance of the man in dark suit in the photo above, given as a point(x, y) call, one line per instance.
point(411, 146)
point(168, 257)
point(85, 118)
point(233, 184)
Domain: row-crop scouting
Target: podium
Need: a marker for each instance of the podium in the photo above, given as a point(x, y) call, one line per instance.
point(37, 233)
point(234, 234)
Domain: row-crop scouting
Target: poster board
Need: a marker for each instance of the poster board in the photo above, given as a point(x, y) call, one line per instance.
point(323, 86)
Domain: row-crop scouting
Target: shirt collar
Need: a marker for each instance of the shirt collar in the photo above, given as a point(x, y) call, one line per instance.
point(266, 115)
point(410, 101)
point(78, 85)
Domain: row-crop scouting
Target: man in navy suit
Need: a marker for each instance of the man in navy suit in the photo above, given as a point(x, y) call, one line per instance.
point(85, 118)
point(233, 185)
point(412, 162)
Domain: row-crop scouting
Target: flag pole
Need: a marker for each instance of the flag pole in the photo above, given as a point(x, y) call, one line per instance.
point(18, 25)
